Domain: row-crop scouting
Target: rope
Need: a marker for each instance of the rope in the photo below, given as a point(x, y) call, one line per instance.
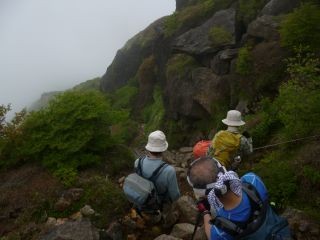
point(290, 141)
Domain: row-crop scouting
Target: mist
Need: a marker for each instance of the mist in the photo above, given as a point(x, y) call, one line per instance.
point(52, 45)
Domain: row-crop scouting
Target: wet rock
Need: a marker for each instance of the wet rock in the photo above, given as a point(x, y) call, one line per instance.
point(277, 7)
point(115, 231)
point(199, 41)
point(265, 27)
point(51, 221)
point(62, 204)
point(166, 237)
point(73, 194)
point(187, 209)
point(87, 211)
point(182, 230)
point(73, 230)
point(185, 149)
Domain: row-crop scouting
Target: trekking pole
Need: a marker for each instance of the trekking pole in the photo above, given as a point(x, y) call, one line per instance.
point(290, 141)
point(196, 226)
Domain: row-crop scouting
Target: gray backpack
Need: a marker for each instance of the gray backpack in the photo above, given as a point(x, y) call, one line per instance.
point(142, 191)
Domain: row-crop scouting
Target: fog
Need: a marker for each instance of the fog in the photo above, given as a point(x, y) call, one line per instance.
point(49, 45)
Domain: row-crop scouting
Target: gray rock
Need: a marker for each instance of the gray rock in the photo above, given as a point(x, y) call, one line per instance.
point(277, 7)
point(87, 211)
point(264, 27)
point(73, 230)
point(185, 149)
point(200, 234)
point(220, 64)
point(197, 41)
point(166, 237)
point(182, 230)
point(169, 157)
point(187, 209)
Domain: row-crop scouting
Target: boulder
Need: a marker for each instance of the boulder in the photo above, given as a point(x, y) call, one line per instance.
point(73, 230)
point(265, 27)
point(187, 209)
point(194, 94)
point(185, 149)
point(87, 211)
point(182, 230)
point(166, 237)
point(220, 64)
point(202, 40)
point(277, 7)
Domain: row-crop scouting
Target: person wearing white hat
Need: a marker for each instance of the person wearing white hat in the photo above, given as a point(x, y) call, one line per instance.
point(166, 182)
point(229, 146)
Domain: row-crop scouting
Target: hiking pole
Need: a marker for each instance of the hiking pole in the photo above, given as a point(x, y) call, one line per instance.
point(280, 143)
point(196, 226)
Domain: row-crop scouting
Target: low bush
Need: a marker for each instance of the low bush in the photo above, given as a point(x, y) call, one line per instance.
point(244, 64)
point(301, 27)
point(220, 36)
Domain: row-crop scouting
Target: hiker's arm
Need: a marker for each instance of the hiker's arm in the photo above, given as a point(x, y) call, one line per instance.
point(173, 187)
point(207, 226)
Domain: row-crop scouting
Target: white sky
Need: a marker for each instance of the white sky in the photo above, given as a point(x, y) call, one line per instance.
point(48, 45)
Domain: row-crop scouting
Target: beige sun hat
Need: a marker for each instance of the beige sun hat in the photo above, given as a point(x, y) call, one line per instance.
point(233, 119)
point(157, 142)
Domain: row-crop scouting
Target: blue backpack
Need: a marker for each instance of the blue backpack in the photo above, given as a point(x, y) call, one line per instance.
point(263, 224)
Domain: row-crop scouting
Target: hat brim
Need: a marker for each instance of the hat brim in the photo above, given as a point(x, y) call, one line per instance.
point(233, 123)
point(157, 149)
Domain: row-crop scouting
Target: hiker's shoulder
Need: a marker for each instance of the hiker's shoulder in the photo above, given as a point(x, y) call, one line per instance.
point(257, 182)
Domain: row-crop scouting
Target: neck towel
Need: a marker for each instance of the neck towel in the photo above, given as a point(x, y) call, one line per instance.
point(235, 187)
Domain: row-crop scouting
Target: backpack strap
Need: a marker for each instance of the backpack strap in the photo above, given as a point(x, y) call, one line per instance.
point(258, 214)
point(157, 172)
point(139, 167)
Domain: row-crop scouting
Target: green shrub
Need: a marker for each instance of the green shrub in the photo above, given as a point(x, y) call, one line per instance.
point(73, 131)
point(193, 15)
point(10, 136)
point(154, 113)
point(220, 36)
point(123, 97)
point(244, 64)
point(299, 98)
point(302, 28)
point(180, 64)
point(249, 9)
point(278, 175)
point(92, 84)
point(66, 175)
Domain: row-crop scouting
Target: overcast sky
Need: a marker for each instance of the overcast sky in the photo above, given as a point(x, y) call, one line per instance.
point(48, 45)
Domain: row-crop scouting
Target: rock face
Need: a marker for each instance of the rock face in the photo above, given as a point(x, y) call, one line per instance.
point(277, 7)
point(193, 95)
point(264, 27)
point(217, 32)
point(129, 58)
point(73, 230)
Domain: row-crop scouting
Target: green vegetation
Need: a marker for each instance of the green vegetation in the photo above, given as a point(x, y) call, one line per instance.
point(92, 84)
point(220, 36)
point(244, 63)
point(123, 97)
point(302, 28)
point(193, 15)
point(180, 64)
point(154, 113)
point(249, 9)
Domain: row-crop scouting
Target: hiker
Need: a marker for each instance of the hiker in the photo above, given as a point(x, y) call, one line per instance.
point(234, 208)
point(163, 177)
point(229, 146)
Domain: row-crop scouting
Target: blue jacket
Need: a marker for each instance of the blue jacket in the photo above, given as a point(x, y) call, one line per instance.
point(166, 183)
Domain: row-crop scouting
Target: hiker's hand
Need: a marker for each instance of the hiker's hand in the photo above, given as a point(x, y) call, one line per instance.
point(203, 206)
point(246, 134)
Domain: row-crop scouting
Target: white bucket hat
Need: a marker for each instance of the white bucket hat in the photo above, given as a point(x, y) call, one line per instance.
point(157, 142)
point(233, 119)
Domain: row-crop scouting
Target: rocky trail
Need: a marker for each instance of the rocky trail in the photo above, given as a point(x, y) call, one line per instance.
point(79, 226)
